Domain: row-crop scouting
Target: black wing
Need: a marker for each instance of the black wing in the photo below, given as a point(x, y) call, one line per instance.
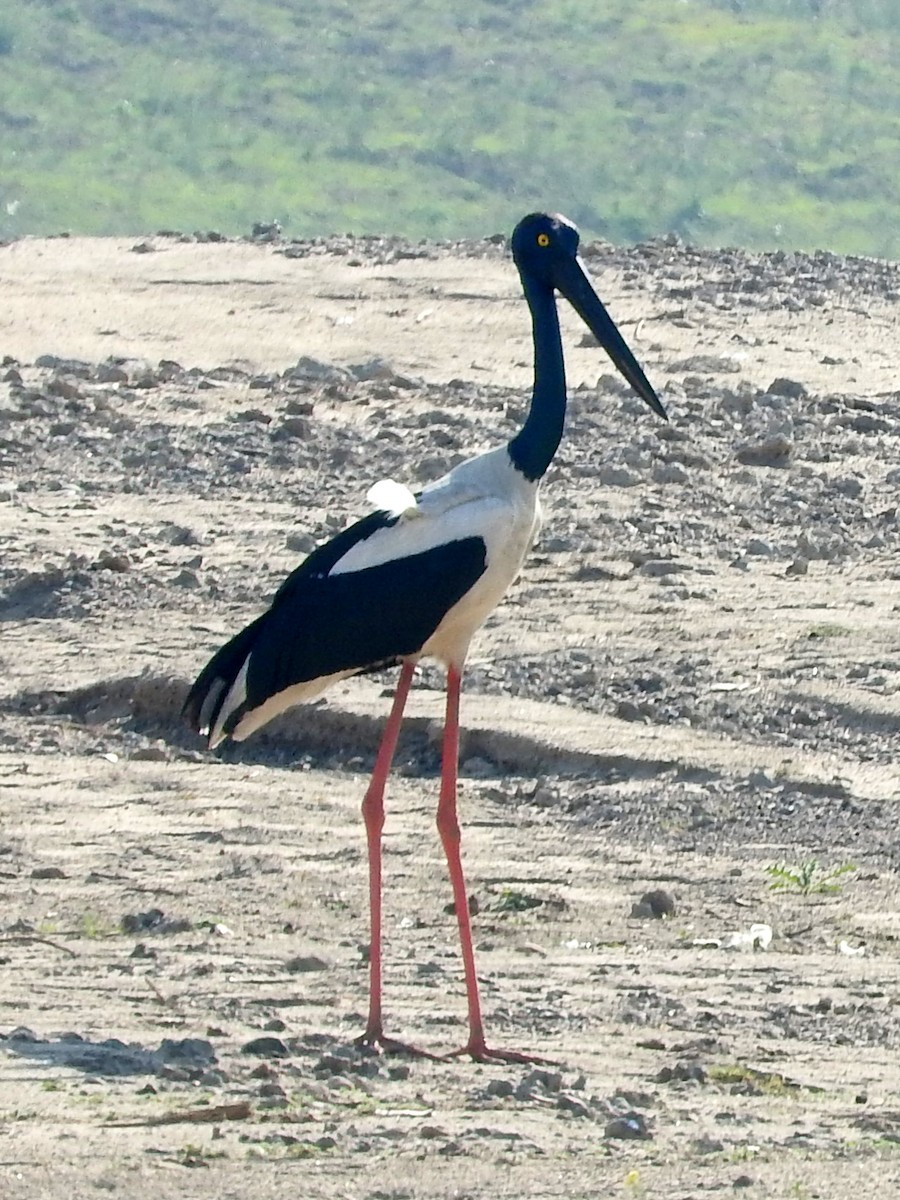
point(321, 624)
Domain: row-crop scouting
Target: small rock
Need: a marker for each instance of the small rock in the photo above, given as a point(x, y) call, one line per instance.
point(178, 535)
point(319, 372)
point(299, 408)
point(111, 372)
point(630, 1126)
point(187, 1051)
point(538, 1080)
point(266, 1047)
point(143, 951)
point(848, 486)
point(22, 1033)
point(473, 904)
point(432, 1133)
point(147, 380)
point(71, 366)
point(374, 368)
point(265, 231)
point(253, 414)
point(293, 427)
point(107, 561)
point(213, 1079)
point(787, 387)
point(576, 1108)
point(657, 567)
point(613, 475)
point(263, 1071)
point(707, 1145)
point(175, 1074)
point(657, 904)
point(670, 472)
point(66, 388)
point(154, 921)
point(149, 754)
point(772, 452)
point(186, 579)
point(304, 963)
point(682, 1072)
point(800, 566)
point(48, 873)
point(866, 423)
point(627, 710)
point(300, 543)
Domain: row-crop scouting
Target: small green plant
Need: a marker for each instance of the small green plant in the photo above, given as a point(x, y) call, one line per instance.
point(91, 925)
point(192, 1155)
point(769, 1083)
point(807, 878)
point(510, 900)
point(634, 1185)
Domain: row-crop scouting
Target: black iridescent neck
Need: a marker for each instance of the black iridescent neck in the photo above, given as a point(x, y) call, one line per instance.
point(533, 448)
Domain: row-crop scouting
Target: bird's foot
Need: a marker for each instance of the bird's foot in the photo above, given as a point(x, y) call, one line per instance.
point(375, 1039)
point(480, 1052)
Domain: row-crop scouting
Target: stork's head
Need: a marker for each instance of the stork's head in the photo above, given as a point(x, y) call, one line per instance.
point(545, 249)
point(543, 241)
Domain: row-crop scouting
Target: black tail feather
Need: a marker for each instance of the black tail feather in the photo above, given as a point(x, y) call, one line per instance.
point(205, 699)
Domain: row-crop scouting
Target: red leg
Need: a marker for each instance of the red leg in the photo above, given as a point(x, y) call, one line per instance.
point(448, 827)
point(373, 815)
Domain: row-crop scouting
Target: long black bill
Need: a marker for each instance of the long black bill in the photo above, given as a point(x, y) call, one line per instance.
point(573, 283)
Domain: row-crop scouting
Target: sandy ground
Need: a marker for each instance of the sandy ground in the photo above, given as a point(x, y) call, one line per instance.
point(694, 683)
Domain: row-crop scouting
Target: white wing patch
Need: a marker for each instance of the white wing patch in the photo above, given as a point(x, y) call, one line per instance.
point(391, 497)
point(484, 497)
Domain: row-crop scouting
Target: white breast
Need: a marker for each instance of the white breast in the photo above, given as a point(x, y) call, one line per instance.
point(507, 517)
point(484, 497)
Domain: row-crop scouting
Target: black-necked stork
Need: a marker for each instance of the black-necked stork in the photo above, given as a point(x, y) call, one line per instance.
point(416, 578)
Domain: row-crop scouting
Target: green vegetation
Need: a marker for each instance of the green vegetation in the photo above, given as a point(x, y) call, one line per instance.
point(769, 1083)
point(510, 900)
point(828, 629)
point(807, 878)
point(756, 122)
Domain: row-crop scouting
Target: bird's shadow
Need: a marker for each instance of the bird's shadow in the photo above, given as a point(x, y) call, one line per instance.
point(322, 735)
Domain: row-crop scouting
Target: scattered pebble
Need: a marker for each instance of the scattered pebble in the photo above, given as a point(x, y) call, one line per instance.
point(631, 1126)
point(304, 963)
point(266, 1047)
point(771, 452)
point(657, 904)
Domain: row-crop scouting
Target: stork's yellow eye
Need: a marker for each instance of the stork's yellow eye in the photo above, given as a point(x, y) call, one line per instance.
point(543, 239)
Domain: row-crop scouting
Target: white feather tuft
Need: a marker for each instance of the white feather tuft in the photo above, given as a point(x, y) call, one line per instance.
point(389, 496)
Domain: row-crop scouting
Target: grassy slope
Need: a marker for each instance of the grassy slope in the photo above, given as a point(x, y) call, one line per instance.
point(759, 126)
